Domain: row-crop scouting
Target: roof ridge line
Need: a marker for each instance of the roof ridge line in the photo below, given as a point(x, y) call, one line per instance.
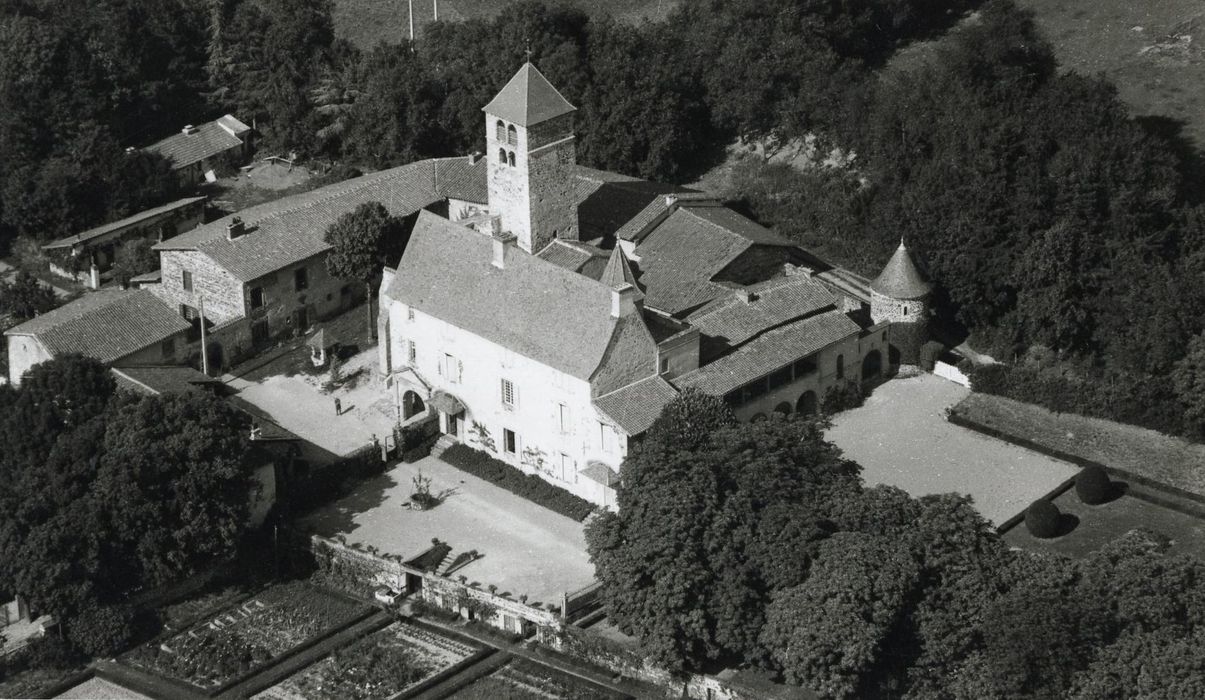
point(625, 386)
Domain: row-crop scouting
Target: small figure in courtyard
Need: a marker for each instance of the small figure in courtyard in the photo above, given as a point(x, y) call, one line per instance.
point(338, 407)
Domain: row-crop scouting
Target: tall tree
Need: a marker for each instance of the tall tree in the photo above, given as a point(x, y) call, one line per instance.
point(363, 242)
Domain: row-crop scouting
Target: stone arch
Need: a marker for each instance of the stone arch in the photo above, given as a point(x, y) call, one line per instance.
point(510, 158)
point(500, 132)
point(512, 136)
point(412, 404)
point(807, 403)
point(872, 365)
point(784, 407)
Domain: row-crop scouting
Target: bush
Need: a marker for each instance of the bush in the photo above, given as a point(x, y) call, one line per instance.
point(842, 397)
point(1093, 486)
point(1042, 519)
point(101, 631)
point(528, 486)
point(415, 440)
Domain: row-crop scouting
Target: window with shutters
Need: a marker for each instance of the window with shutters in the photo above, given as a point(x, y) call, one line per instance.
point(510, 441)
point(510, 397)
point(563, 419)
point(411, 352)
point(186, 280)
point(452, 369)
point(567, 470)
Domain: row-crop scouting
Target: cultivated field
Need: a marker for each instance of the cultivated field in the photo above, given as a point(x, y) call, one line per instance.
point(522, 679)
point(369, 22)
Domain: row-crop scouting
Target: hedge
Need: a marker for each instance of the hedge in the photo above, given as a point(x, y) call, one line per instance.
point(415, 440)
point(529, 486)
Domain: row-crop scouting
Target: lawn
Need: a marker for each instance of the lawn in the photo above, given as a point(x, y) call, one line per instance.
point(522, 679)
point(1153, 50)
point(1096, 526)
point(527, 548)
point(1138, 451)
point(902, 438)
point(368, 22)
point(253, 633)
point(377, 666)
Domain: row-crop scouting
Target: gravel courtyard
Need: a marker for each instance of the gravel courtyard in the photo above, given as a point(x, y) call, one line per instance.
point(528, 549)
point(901, 438)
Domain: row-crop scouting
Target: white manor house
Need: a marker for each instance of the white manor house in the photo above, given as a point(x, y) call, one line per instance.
point(553, 326)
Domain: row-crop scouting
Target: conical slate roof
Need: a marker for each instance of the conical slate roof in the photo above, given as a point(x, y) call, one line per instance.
point(528, 99)
point(618, 272)
point(901, 279)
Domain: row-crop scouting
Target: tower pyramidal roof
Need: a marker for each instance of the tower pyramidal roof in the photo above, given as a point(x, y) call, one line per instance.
point(618, 272)
point(528, 99)
point(900, 278)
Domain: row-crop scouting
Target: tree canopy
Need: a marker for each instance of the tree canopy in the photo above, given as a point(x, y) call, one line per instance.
point(363, 242)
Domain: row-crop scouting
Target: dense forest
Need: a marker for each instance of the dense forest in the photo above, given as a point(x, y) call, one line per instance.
point(1065, 235)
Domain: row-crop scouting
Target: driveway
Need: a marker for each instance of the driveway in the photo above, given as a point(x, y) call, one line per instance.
point(902, 438)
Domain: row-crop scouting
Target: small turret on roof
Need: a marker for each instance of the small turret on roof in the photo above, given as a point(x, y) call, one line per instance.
point(618, 272)
point(900, 278)
point(528, 99)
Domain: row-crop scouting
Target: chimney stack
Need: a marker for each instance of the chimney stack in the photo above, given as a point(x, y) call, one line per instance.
point(745, 295)
point(188, 130)
point(504, 244)
point(623, 300)
point(235, 228)
point(474, 157)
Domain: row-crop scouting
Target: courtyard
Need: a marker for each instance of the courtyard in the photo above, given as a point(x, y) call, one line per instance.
point(528, 549)
point(901, 438)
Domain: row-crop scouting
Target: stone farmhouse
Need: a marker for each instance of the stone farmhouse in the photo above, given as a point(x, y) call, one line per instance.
point(88, 257)
point(552, 327)
point(197, 152)
point(115, 326)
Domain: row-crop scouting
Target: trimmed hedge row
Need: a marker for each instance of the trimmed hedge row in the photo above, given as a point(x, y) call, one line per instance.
point(415, 440)
point(529, 486)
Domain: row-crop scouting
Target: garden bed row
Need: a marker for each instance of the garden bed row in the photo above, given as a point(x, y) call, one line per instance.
point(1145, 457)
point(529, 486)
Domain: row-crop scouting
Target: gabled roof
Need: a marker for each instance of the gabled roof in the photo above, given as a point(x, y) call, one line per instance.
point(209, 139)
point(289, 230)
point(107, 325)
point(532, 307)
point(636, 406)
point(129, 221)
point(733, 320)
point(771, 350)
point(528, 99)
point(901, 279)
point(681, 256)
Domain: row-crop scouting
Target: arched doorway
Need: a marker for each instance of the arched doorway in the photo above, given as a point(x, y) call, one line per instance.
point(784, 408)
point(807, 403)
point(893, 355)
point(872, 365)
point(412, 405)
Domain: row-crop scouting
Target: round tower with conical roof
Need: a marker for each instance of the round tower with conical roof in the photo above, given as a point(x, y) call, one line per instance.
point(900, 295)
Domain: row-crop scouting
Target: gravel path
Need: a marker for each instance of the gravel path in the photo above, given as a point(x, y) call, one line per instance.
point(901, 438)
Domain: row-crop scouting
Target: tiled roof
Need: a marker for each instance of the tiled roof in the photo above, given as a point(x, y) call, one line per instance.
point(609, 204)
point(630, 356)
point(106, 325)
point(532, 307)
point(71, 241)
point(208, 140)
point(562, 254)
point(162, 380)
point(528, 99)
point(146, 277)
point(768, 352)
point(291, 229)
point(618, 271)
point(457, 178)
point(635, 407)
point(772, 303)
point(901, 279)
point(846, 282)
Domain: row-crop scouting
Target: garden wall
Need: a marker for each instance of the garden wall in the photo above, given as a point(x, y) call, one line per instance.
point(948, 371)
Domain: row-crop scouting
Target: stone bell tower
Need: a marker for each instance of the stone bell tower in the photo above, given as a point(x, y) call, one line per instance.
point(531, 158)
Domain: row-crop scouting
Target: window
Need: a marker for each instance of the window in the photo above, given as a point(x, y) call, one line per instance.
point(510, 158)
point(563, 419)
point(411, 352)
point(257, 297)
point(606, 437)
point(905, 310)
point(186, 280)
point(510, 442)
point(301, 279)
point(840, 366)
point(502, 156)
point(169, 349)
point(567, 470)
point(664, 365)
point(500, 131)
point(410, 313)
point(512, 136)
point(804, 367)
point(452, 368)
point(508, 394)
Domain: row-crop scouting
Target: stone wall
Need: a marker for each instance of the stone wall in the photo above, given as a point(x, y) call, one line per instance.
point(883, 308)
point(223, 293)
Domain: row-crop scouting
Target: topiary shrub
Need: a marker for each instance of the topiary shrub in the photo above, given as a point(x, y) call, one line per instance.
point(1093, 486)
point(1042, 519)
